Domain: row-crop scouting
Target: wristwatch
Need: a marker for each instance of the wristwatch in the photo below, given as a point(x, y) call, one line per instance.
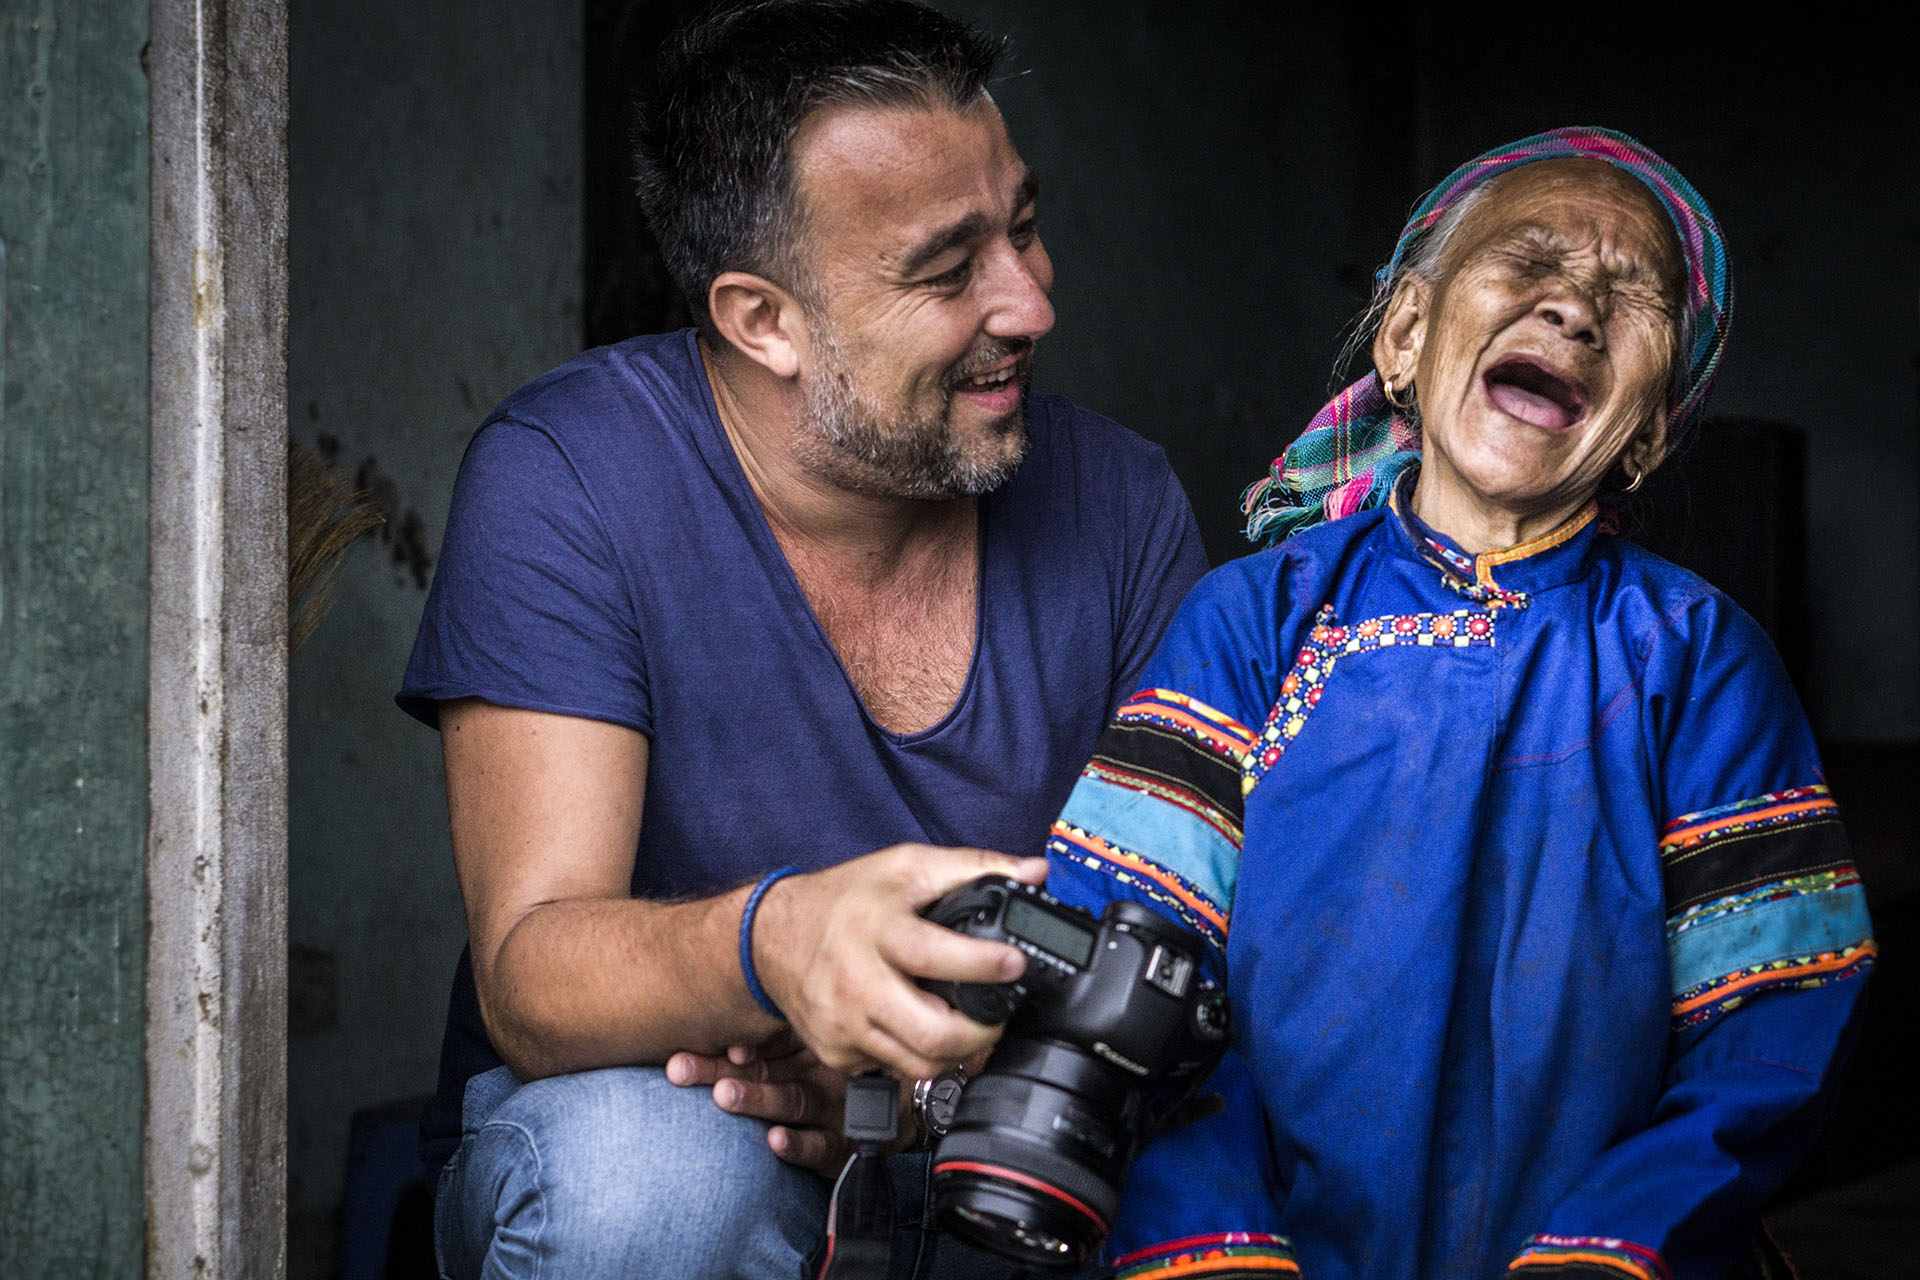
point(934, 1100)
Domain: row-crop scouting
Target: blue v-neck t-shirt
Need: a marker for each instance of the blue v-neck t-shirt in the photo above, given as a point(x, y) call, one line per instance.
point(605, 557)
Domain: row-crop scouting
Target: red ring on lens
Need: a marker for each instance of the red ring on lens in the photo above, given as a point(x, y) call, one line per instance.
point(1025, 1180)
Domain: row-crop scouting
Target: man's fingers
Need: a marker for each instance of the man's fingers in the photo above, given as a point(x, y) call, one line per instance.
point(937, 869)
point(688, 1068)
point(837, 950)
point(932, 951)
point(924, 1036)
point(788, 1102)
point(815, 1149)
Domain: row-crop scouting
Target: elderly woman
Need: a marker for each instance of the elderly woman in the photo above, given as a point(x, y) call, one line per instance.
point(1509, 838)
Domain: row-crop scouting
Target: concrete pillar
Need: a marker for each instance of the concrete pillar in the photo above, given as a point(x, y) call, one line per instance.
point(216, 849)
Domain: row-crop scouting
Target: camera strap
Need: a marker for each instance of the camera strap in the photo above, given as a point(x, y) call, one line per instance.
point(860, 1216)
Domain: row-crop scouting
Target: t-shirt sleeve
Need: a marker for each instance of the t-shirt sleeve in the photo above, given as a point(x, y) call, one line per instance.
point(1170, 560)
point(530, 605)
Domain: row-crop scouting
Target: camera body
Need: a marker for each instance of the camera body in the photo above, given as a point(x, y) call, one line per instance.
point(1110, 1028)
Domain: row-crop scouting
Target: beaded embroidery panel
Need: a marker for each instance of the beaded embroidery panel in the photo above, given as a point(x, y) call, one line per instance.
point(1327, 643)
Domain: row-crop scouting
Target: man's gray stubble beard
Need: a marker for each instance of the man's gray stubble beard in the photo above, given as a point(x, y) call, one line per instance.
point(916, 458)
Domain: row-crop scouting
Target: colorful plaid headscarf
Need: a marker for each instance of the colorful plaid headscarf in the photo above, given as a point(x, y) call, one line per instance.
point(1356, 447)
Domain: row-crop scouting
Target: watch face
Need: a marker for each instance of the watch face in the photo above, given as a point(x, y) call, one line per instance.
point(941, 1098)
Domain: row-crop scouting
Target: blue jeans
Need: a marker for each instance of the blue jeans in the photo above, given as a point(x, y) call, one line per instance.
point(619, 1173)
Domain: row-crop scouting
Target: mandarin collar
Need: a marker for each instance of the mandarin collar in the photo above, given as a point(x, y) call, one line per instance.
point(1504, 577)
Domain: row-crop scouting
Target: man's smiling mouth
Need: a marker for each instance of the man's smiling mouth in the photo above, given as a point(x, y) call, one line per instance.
point(1526, 388)
point(993, 381)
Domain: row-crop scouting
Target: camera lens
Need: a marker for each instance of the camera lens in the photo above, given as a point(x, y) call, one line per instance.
point(1011, 1233)
point(1032, 1166)
point(1110, 1028)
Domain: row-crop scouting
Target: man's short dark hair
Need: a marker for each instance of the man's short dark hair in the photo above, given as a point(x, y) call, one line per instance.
point(715, 128)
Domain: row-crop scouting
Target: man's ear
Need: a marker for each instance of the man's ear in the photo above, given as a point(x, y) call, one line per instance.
point(1402, 334)
point(760, 319)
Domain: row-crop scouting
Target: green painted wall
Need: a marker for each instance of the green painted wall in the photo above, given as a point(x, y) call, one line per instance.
point(73, 662)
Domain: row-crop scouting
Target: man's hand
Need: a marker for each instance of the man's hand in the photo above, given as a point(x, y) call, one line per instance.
point(783, 1083)
point(838, 952)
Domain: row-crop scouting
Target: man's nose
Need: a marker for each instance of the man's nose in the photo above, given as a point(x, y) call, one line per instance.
point(1017, 305)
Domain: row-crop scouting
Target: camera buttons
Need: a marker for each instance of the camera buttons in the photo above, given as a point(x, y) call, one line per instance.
point(1170, 971)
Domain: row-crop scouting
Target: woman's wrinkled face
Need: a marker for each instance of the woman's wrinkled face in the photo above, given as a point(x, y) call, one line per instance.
point(1545, 353)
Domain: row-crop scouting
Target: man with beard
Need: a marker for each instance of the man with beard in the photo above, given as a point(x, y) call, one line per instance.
point(827, 588)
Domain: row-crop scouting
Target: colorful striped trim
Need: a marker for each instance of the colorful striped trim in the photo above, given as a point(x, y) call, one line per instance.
point(1581, 1253)
point(1797, 804)
point(1188, 716)
point(1761, 896)
point(1226, 1253)
point(1764, 938)
point(1167, 790)
point(1796, 973)
point(1745, 846)
point(1164, 886)
point(1461, 574)
point(1182, 842)
point(1777, 891)
point(1484, 565)
point(1326, 644)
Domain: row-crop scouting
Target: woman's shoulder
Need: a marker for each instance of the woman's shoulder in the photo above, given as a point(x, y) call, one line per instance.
point(1671, 605)
point(1317, 552)
point(1295, 570)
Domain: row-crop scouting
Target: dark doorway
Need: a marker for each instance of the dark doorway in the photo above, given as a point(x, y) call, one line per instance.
point(627, 288)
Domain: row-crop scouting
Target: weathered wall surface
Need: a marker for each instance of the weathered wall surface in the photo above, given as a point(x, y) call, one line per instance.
point(73, 574)
point(434, 156)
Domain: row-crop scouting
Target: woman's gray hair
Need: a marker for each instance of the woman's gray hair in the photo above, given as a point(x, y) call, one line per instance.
point(1422, 262)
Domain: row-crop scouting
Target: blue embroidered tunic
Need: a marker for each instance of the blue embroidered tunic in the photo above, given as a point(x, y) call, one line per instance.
point(1538, 922)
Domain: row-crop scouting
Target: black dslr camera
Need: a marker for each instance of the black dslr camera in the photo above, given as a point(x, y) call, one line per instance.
point(1110, 1028)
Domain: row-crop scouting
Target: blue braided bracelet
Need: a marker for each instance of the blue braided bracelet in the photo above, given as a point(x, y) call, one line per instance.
point(754, 989)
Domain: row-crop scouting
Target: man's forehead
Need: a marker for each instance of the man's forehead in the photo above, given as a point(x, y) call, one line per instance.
point(897, 173)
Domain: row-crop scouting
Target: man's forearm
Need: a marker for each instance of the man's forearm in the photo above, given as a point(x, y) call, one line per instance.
point(577, 985)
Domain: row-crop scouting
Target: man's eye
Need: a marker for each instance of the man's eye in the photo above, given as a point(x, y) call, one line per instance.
point(953, 277)
point(1025, 232)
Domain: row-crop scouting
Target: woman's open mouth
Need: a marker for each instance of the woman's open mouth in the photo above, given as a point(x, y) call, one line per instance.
point(1523, 387)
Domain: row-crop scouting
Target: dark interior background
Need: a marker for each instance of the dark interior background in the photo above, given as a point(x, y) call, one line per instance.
point(1220, 184)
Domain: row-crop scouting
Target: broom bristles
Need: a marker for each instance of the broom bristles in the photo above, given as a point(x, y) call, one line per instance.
point(324, 517)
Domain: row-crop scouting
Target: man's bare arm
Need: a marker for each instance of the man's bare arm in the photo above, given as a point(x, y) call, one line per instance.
point(573, 973)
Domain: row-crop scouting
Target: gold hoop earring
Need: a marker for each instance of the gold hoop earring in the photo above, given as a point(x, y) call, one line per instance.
point(1635, 476)
point(1402, 405)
